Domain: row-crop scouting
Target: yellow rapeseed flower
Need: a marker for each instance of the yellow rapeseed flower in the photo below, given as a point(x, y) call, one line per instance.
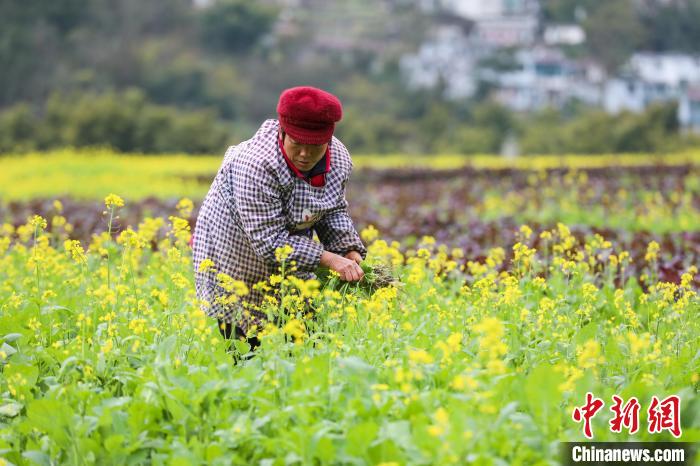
point(295, 329)
point(686, 280)
point(185, 207)
point(526, 232)
point(112, 200)
point(420, 356)
point(442, 422)
point(638, 343)
point(75, 250)
point(58, 206)
point(207, 265)
point(230, 285)
point(522, 254)
point(461, 381)
point(37, 221)
point(107, 347)
point(589, 355)
point(7, 229)
point(491, 345)
point(282, 253)
point(652, 251)
point(275, 279)
point(427, 240)
point(369, 234)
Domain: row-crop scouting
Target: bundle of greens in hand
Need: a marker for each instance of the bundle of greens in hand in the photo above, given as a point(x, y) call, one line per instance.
point(376, 276)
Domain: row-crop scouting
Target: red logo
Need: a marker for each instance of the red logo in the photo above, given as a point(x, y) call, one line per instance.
point(626, 416)
point(662, 414)
point(665, 415)
point(587, 412)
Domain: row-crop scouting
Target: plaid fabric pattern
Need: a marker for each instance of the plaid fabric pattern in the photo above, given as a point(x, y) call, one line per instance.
point(255, 205)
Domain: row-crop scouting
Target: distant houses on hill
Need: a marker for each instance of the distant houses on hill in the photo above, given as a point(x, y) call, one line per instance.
point(537, 72)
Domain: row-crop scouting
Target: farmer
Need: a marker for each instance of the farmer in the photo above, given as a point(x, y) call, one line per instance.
point(272, 190)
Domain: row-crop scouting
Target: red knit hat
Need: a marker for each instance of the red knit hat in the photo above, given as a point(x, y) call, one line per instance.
point(309, 114)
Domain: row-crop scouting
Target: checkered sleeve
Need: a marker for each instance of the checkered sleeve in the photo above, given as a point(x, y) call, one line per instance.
point(337, 231)
point(259, 205)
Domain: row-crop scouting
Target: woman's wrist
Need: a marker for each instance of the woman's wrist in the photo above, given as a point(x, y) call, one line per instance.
point(327, 258)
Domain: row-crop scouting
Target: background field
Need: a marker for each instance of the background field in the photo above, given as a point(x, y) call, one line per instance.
point(523, 284)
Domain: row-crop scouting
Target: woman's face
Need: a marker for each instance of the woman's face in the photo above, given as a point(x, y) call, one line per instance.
point(303, 156)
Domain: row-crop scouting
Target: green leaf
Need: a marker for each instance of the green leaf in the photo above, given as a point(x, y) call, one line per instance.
point(585, 333)
point(10, 337)
point(313, 373)
point(165, 350)
point(50, 416)
point(543, 397)
point(354, 365)
point(28, 372)
point(10, 409)
point(292, 458)
point(324, 450)
point(386, 451)
point(68, 364)
point(51, 308)
point(213, 451)
point(113, 443)
point(399, 432)
point(7, 349)
point(243, 347)
point(116, 402)
point(37, 457)
point(359, 438)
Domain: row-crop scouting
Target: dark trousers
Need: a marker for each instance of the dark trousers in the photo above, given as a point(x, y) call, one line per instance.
point(229, 331)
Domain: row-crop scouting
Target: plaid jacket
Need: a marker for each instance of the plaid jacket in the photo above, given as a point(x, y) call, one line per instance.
point(255, 205)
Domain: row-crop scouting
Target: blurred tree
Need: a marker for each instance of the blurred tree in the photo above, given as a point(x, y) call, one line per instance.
point(613, 32)
point(650, 131)
point(471, 140)
point(127, 122)
point(536, 135)
point(235, 26)
point(18, 128)
point(498, 119)
point(567, 11)
point(673, 26)
point(33, 38)
point(595, 131)
point(376, 133)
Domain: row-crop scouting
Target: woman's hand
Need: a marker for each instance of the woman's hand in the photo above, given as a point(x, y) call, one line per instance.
point(348, 269)
point(354, 256)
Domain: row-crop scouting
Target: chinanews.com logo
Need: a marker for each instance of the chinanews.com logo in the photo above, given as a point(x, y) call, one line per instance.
point(662, 415)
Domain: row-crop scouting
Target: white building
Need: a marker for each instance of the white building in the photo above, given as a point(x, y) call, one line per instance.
point(499, 23)
point(478, 10)
point(507, 31)
point(448, 57)
point(649, 78)
point(545, 78)
point(630, 94)
point(669, 69)
point(475, 9)
point(564, 34)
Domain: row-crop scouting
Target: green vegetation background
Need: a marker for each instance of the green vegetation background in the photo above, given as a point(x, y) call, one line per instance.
point(160, 76)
